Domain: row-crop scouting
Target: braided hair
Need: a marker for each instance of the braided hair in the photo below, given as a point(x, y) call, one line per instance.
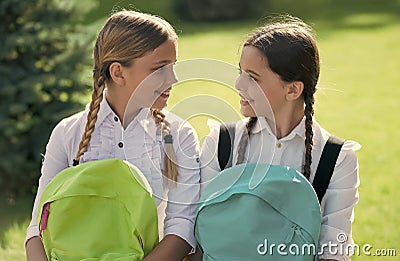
point(125, 36)
point(170, 167)
point(290, 48)
point(244, 140)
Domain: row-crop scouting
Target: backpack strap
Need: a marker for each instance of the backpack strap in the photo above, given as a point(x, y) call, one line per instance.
point(225, 144)
point(326, 165)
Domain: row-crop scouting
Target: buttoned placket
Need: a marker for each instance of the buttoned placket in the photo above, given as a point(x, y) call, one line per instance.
point(279, 148)
point(119, 139)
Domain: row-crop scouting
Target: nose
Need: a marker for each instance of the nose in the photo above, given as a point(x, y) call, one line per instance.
point(241, 84)
point(171, 77)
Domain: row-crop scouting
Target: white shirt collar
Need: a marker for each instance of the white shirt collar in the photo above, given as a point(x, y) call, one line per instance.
point(144, 118)
point(262, 125)
point(104, 111)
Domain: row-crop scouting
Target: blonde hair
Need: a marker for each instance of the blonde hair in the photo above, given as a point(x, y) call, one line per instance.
point(170, 168)
point(125, 36)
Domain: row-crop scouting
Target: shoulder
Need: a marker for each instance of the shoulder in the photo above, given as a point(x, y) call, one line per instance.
point(321, 136)
point(69, 130)
point(72, 122)
point(347, 158)
point(215, 127)
point(211, 141)
point(61, 144)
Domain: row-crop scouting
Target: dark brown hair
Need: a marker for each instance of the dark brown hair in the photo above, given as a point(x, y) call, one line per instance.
point(291, 50)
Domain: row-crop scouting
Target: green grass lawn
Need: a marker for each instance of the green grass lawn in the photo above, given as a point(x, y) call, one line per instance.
point(357, 99)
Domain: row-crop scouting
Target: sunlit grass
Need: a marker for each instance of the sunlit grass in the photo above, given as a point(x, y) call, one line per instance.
point(12, 247)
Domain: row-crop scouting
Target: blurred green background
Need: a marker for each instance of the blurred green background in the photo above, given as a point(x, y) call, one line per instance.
point(357, 97)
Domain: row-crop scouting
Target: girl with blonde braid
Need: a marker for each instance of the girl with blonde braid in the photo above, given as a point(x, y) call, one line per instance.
point(279, 69)
point(130, 48)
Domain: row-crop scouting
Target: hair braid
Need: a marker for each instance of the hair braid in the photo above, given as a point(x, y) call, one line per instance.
point(308, 112)
point(94, 107)
point(291, 51)
point(244, 140)
point(250, 124)
point(125, 36)
point(170, 167)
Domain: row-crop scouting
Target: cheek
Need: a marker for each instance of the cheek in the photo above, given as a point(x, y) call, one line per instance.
point(135, 81)
point(154, 80)
point(147, 85)
point(258, 94)
point(262, 101)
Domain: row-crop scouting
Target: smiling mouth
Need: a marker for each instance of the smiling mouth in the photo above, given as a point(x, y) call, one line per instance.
point(244, 101)
point(164, 94)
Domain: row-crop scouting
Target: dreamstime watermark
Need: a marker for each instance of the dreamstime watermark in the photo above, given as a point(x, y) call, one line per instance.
point(338, 248)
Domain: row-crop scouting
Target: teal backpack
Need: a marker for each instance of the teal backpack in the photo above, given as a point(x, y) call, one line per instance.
point(278, 219)
point(99, 210)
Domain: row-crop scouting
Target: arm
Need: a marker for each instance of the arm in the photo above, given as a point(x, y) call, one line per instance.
point(208, 156)
point(55, 160)
point(35, 250)
point(197, 256)
point(171, 247)
point(183, 196)
point(338, 205)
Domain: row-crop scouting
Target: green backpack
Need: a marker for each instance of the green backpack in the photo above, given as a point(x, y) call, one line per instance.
point(99, 210)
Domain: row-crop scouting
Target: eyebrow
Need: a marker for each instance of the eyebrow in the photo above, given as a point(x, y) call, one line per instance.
point(251, 71)
point(164, 62)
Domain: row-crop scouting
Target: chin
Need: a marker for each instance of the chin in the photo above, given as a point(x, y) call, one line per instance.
point(247, 112)
point(159, 104)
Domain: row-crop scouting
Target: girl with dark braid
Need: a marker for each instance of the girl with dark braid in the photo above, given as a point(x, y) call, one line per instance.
point(131, 48)
point(279, 70)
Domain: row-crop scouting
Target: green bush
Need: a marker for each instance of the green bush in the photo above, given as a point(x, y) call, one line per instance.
point(220, 10)
point(40, 71)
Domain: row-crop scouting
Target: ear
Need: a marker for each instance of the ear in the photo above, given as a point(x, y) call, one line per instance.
point(116, 73)
point(294, 90)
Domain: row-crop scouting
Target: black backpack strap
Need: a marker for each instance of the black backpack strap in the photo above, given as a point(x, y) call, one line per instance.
point(225, 144)
point(326, 165)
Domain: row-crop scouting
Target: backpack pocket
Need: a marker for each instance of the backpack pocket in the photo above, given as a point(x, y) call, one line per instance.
point(221, 258)
point(60, 255)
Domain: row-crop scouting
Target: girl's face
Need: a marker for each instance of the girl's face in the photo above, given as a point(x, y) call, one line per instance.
point(149, 79)
point(259, 87)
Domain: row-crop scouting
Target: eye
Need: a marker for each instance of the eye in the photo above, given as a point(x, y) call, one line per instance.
point(161, 68)
point(164, 66)
point(248, 75)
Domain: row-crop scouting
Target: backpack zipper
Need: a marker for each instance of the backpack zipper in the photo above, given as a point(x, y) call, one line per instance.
point(295, 229)
point(141, 241)
point(45, 217)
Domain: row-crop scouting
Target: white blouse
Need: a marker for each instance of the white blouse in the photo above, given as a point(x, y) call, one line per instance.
point(141, 144)
point(337, 205)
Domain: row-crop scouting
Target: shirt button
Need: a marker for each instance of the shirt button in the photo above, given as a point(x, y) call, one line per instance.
point(279, 145)
point(120, 144)
point(115, 118)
